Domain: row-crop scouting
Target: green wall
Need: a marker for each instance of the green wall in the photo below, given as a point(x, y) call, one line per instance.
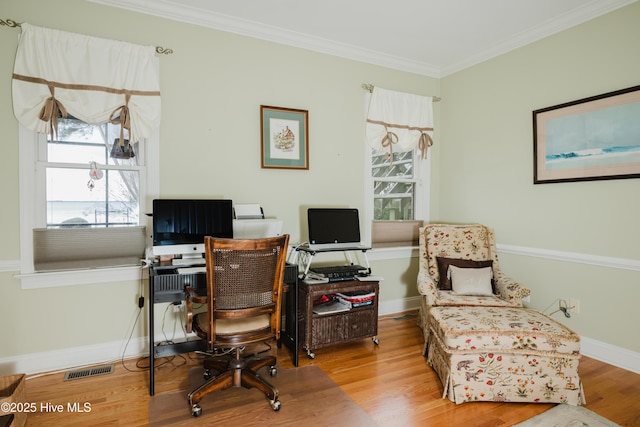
point(487, 172)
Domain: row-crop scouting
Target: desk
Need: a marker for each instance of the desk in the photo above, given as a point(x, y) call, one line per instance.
point(290, 336)
point(166, 286)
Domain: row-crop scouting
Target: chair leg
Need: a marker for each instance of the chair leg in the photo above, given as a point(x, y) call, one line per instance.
point(217, 365)
point(254, 365)
point(221, 382)
point(234, 373)
point(250, 379)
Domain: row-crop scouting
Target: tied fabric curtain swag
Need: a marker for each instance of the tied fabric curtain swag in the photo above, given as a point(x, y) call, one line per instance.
point(96, 80)
point(399, 122)
point(50, 112)
point(122, 117)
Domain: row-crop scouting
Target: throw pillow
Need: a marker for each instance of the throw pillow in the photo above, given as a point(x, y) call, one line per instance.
point(443, 267)
point(471, 281)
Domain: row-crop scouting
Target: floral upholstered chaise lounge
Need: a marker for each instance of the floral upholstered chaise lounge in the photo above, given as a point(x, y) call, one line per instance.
point(480, 340)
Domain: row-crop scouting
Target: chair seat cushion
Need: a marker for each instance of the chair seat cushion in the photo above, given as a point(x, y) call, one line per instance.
point(449, 298)
point(231, 327)
point(475, 329)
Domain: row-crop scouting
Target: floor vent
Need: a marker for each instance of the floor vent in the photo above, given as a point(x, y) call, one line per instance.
point(89, 372)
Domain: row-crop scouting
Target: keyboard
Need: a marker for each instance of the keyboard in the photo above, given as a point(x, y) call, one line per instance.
point(340, 272)
point(191, 270)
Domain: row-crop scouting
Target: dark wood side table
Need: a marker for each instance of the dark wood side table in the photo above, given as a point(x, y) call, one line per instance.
point(322, 330)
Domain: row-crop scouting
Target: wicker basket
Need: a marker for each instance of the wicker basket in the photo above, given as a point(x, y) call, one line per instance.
point(12, 390)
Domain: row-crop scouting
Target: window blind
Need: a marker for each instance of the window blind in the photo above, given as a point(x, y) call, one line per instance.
point(83, 248)
point(395, 233)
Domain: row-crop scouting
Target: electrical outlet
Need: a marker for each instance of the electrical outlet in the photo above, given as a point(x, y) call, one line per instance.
point(574, 303)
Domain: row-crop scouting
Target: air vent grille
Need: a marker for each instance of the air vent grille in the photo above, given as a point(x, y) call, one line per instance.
point(89, 372)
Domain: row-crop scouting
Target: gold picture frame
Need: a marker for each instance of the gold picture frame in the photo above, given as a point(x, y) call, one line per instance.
point(284, 138)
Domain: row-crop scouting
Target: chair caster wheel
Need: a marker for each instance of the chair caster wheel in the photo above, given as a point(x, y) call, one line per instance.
point(196, 410)
point(207, 375)
point(311, 355)
point(376, 341)
point(273, 371)
point(275, 405)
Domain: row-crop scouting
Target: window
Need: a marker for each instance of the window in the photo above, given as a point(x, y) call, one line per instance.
point(397, 197)
point(57, 72)
point(396, 188)
point(58, 199)
point(393, 186)
point(73, 199)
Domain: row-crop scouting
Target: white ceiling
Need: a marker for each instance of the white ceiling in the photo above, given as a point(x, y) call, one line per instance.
point(429, 37)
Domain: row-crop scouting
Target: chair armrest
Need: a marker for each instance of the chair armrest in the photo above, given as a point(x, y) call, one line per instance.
point(510, 290)
point(190, 296)
point(427, 287)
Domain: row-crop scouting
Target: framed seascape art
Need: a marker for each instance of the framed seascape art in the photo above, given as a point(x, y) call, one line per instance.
point(284, 140)
point(590, 139)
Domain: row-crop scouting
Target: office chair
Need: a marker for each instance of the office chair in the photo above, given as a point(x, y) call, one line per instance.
point(244, 299)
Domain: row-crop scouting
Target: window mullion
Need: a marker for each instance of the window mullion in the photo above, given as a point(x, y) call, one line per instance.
point(40, 188)
point(395, 179)
point(62, 165)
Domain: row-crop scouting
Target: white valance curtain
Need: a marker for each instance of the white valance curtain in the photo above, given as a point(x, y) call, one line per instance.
point(96, 80)
point(399, 122)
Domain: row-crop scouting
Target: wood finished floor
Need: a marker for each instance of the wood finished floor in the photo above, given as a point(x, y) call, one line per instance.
point(391, 382)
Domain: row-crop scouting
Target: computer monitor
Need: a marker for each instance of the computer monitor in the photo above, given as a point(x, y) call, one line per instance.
point(333, 228)
point(180, 225)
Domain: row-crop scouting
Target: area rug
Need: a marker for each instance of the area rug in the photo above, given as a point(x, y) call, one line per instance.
point(567, 416)
point(307, 394)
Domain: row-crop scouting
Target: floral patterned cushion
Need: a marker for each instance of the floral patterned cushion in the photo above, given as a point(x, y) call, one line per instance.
point(502, 376)
point(472, 242)
point(504, 354)
point(448, 298)
point(465, 329)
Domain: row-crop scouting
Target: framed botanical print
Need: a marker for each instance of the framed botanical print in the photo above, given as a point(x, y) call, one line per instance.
point(284, 139)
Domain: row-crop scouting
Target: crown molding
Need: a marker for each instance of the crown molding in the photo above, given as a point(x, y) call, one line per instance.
point(170, 9)
point(231, 24)
point(590, 10)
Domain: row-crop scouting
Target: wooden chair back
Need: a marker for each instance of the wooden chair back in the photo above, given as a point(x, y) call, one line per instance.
point(244, 281)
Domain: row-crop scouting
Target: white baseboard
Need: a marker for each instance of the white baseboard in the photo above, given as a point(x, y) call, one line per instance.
point(64, 359)
point(398, 305)
point(616, 356)
point(114, 351)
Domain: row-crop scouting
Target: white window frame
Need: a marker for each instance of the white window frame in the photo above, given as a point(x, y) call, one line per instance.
point(33, 215)
point(422, 190)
